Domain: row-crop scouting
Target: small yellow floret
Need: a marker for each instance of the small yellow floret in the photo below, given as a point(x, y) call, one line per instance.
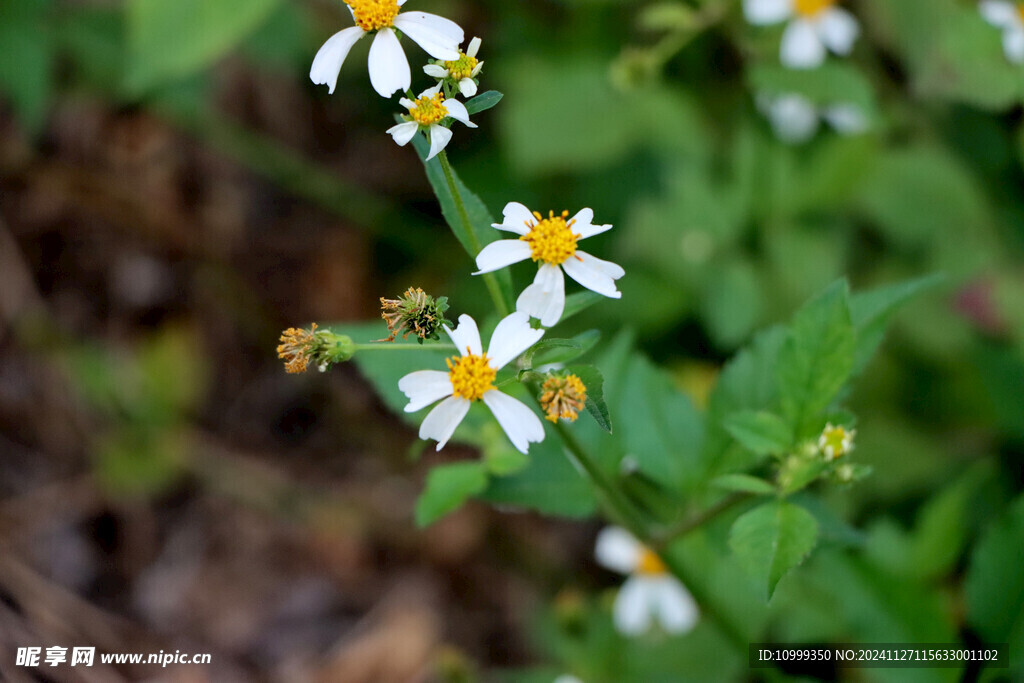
point(551, 239)
point(650, 564)
point(563, 397)
point(429, 110)
point(372, 15)
point(810, 8)
point(461, 67)
point(835, 441)
point(471, 376)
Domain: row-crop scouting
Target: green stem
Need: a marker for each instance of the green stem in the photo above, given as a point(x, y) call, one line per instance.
point(382, 346)
point(474, 244)
point(665, 536)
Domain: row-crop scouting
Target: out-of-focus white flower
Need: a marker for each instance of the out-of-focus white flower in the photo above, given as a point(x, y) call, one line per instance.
point(795, 119)
point(567, 678)
point(552, 242)
point(650, 593)
point(1008, 16)
point(470, 378)
point(462, 71)
point(835, 441)
point(816, 26)
point(389, 68)
point(427, 112)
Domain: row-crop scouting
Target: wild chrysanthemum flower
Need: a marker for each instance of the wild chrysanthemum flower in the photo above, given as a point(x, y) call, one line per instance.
point(552, 242)
point(427, 112)
point(415, 312)
point(470, 378)
point(461, 73)
point(1008, 16)
point(835, 441)
point(795, 119)
point(650, 592)
point(816, 25)
point(563, 397)
point(389, 68)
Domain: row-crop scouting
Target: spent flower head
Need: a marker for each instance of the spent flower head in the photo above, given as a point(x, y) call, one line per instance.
point(428, 112)
point(552, 242)
point(389, 68)
point(458, 75)
point(1009, 16)
point(563, 397)
point(300, 347)
point(415, 312)
point(815, 27)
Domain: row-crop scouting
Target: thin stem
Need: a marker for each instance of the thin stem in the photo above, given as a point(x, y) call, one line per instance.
point(665, 536)
point(401, 347)
point(474, 244)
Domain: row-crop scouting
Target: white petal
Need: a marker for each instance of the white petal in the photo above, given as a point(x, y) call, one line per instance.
point(676, 608)
point(999, 13)
point(511, 337)
point(794, 118)
point(389, 69)
point(457, 110)
point(633, 607)
point(518, 219)
point(545, 298)
point(466, 336)
point(761, 12)
point(594, 274)
point(403, 132)
point(500, 254)
point(423, 387)
point(331, 56)
point(1013, 44)
point(474, 47)
point(476, 69)
point(439, 139)
point(838, 30)
point(467, 86)
point(438, 36)
point(440, 423)
point(430, 92)
point(583, 224)
point(519, 422)
point(801, 47)
point(435, 70)
point(847, 119)
point(616, 549)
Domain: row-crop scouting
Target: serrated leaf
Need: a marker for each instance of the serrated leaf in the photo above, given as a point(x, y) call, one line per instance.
point(448, 487)
point(548, 351)
point(817, 357)
point(772, 539)
point(594, 382)
point(744, 483)
point(871, 311)
point(761, 432)
point(483, 102)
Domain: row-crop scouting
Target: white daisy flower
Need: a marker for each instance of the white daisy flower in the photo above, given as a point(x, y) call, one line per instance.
point(816, 26)
point(795, 119)
point(470, 377)
point(1008, 16)
point(650, 592)
point(552, 242)
point(462, 71)
point(427, 112)
point(389, 68)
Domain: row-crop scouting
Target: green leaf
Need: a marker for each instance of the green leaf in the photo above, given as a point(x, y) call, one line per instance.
point(761, 432)
point(817, 357)
point(448, 487)
point(744, 483)
point(832, 83)
point(578, 302)
point(171, 39)
point(871, 311)
point(548, 351)
point(501, 458)
point(772, 539)
point(26, 59)
point(483, 101)
point(594, 382)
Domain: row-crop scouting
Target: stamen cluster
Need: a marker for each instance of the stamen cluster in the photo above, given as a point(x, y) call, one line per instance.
point(471, 376)
point(429, 110)
point(373, 15)
point(551, 239)
point(461, 67)
point(563, 397)
point(810, 8)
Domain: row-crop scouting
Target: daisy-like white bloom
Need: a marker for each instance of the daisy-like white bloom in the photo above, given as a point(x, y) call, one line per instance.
point(650, 592)
point(836, 441)
point(795, 119)
point(1008, 16)
point(470, 378)
point(815, 26)
point(462, 72)
point(552, 242)
point(427, 112)
point(389, 68)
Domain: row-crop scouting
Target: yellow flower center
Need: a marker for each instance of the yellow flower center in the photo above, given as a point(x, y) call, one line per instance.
point(810, 8)
point(429, 110)
point(372, 15)
point(650, 564)
point(835, 442)
point(461, 67)
point(1020, 10)
point(551, 239)
point(471, 376)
